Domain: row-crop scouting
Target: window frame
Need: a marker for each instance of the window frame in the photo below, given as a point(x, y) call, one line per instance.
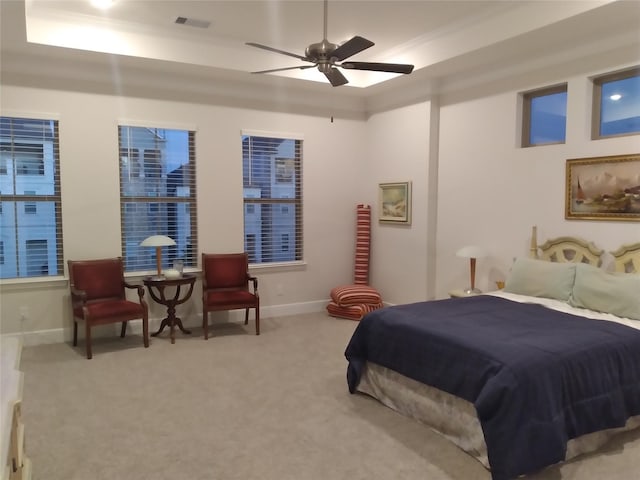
point(596, 109)
point(527, 98)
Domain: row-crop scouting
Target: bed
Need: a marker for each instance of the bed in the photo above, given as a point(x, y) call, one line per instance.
point(520, 379)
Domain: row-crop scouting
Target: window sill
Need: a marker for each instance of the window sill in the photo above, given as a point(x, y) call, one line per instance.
point(149, 273)
point(34, 282)
point(278, 267)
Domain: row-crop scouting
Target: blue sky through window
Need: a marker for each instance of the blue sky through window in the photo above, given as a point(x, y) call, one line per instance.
point(548, 119)
point(620, 107)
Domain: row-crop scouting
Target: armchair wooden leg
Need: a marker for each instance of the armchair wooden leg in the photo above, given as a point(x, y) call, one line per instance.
point(75, 332)
point(205, 324)
point(145, 331)
point(257, 321)
point(246, 316)
point(123, 330)
point(87, 339)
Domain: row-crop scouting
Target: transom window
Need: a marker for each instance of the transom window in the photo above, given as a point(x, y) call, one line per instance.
point(31, 214)
point(272, 181)
point(544, 118)
point(616, 104)
point(157, 195)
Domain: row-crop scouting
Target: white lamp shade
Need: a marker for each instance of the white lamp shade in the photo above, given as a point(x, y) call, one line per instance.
point(157, 241)
point(471, 251)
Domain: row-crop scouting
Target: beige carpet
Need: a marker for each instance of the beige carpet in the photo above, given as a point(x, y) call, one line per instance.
point(239, 406)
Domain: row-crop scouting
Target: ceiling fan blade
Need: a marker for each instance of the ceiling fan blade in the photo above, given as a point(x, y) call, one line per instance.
point(351, 47)
point(303, 67)
point(379, 67)
point(271, 49)
point(336, 77)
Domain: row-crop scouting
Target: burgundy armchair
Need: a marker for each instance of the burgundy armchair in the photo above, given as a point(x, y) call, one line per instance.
point(98, 298)
point(225, 286)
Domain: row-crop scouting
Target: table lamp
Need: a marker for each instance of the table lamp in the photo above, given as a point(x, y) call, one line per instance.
point(158, 241)
point(472, 252)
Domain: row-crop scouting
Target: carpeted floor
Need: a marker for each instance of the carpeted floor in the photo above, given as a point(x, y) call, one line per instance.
point(240, 406)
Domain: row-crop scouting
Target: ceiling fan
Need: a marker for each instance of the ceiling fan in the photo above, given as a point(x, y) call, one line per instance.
point(327, 57)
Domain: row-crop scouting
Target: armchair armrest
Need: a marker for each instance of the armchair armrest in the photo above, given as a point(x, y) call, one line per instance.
point(254, 280)
point(139, 288)
point(78, 296)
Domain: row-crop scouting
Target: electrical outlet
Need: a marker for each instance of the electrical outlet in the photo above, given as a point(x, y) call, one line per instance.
point(24, 313)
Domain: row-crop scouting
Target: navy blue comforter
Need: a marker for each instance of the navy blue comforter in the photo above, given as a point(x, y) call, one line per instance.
point(537, 377)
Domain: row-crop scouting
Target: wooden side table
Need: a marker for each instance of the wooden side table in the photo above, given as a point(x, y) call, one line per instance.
point(157, 286)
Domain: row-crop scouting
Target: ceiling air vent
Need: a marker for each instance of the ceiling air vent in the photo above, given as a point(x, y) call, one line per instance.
point(192, 22)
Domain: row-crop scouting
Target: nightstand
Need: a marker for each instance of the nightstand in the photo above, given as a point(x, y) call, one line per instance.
point(459, 293)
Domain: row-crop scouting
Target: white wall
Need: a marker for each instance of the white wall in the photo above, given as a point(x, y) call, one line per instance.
point(398, 151)
point(471, 185)
point(90, 195)
point(491, 192)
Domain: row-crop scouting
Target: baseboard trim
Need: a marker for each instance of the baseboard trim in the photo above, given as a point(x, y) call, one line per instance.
point(62, 335)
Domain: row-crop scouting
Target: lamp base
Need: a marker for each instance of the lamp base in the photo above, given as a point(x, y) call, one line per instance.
point(472, 291)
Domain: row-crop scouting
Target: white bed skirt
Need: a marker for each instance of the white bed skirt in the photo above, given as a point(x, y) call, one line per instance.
point(454, 417)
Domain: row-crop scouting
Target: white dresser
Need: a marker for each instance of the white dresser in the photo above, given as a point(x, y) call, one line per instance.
point(16, 465)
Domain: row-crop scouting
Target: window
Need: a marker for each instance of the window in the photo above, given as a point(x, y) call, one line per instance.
point(30, 194)
point(30, 207)
point(157, 194)
point(616, 104)
point(250, 246)
point(272, 181)
point(37, 261)
point(1, 252)
point(29, 159)
point(544, 116)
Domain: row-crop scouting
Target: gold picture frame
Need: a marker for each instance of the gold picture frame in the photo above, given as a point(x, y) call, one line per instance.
point(603, 188)
point(394, 203)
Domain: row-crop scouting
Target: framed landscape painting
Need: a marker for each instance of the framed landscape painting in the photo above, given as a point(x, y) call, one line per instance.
point(394, 204)
point(603, 188)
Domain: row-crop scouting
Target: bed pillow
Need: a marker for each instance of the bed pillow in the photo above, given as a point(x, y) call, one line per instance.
point(616, 293)
point(540, 278)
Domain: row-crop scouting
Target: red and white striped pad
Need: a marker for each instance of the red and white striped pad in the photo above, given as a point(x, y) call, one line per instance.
point(363, 245)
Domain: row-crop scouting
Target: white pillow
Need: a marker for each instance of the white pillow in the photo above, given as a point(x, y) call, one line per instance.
point(616, 293)
point(540, 278)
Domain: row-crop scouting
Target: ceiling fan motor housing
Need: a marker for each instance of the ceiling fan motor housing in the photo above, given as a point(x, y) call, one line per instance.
point(319, 52)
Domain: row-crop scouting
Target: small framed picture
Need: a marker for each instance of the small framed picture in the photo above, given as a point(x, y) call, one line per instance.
point(394, 205)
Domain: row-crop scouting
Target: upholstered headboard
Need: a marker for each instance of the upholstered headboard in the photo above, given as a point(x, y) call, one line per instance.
point(565, 249)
